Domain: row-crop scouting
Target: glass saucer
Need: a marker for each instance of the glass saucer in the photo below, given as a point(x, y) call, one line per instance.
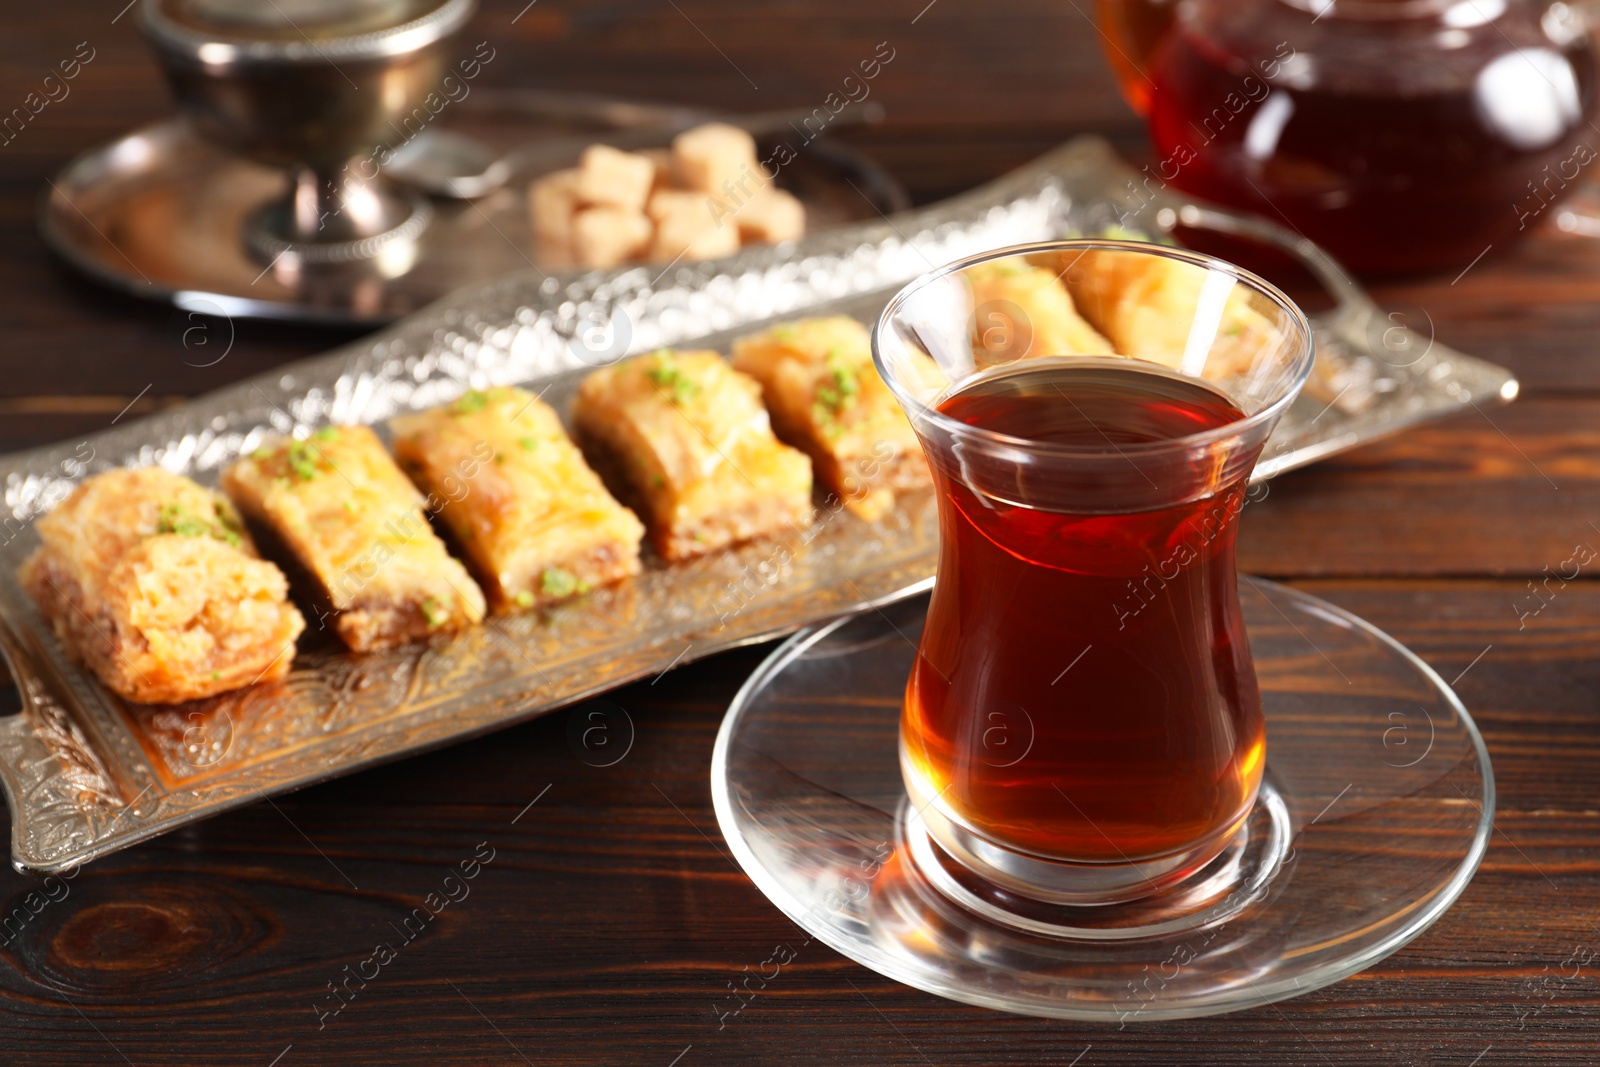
point(1374, 813)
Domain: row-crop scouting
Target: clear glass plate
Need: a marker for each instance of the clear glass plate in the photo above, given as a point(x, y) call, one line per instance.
point(1375, 812)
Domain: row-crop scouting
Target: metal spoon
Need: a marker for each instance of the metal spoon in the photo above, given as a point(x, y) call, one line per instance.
point(456, 166)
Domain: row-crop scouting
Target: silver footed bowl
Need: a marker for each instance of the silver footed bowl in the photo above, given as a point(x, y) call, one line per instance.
point(312, 86)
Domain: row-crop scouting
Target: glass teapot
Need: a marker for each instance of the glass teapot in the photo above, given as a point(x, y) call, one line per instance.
point(1401, 135)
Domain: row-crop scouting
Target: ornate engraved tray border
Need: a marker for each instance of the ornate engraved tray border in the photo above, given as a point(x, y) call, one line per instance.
point(86, 774)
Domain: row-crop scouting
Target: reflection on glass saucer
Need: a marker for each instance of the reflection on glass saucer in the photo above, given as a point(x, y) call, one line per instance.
point(1374, 813)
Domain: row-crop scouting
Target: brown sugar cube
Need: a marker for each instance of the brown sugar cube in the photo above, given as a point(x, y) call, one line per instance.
point(688, 237)
point(685, 228)
point(709, 155)
point(611, 177)
point(552, 201)
point(606, 236)
point(667, 202)
point(666, 170)
point(773, 216)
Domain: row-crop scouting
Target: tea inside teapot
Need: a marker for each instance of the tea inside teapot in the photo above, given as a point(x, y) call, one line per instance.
point(1401, 135)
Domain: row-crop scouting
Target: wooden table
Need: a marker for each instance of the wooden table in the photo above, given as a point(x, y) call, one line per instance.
point(610, 918)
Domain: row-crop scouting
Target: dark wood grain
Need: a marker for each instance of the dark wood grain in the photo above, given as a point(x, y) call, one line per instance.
point(610, 917)
point(1508, 490)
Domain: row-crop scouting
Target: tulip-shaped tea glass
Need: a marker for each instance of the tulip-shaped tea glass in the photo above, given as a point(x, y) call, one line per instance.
point(1083, 724)
point(1096, 775)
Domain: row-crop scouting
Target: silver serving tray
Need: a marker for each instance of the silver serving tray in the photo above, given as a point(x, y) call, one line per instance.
point(86, 774)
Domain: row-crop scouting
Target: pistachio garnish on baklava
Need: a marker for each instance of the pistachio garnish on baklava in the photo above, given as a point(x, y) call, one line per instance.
point(357, 527)
point(684, 437)
point(152, 582)
point(535, 523)
point(827, 399)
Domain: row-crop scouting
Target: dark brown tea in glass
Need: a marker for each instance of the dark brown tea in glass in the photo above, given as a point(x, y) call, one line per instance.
point(1082, 724)
point(1130, 755)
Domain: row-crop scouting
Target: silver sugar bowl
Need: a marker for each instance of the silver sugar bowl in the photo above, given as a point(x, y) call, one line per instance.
point(317, 87)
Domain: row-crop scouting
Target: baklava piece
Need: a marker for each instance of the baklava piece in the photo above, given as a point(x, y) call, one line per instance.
point(534, 522)
point(1023, 311)
point(151, 581)
point(1147, 305)
point(683, 437)
point(356, 526)
point(827, 399)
